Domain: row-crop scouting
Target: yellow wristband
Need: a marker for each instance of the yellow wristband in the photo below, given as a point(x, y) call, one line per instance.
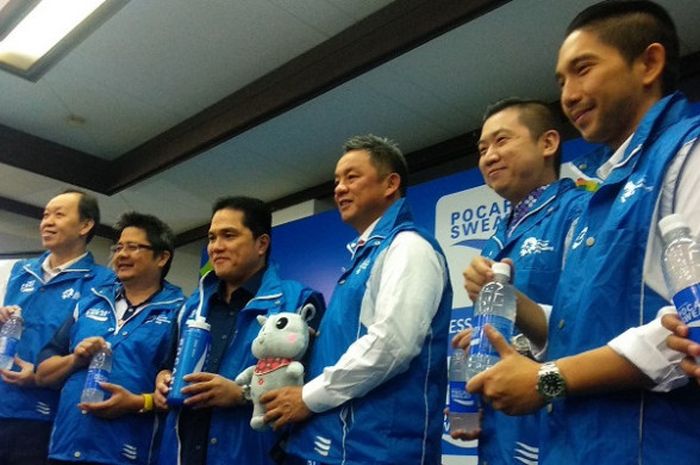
point(147, 403)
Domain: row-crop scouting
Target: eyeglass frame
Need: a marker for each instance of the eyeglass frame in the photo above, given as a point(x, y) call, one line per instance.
point(129, 247)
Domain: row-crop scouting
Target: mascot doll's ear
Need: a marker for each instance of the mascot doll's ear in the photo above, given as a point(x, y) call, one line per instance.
point(308, 312)
point(262, 319)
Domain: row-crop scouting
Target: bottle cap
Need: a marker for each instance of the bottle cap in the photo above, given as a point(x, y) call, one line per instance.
point(671, 223)
point(199, 322)
point(501, 268)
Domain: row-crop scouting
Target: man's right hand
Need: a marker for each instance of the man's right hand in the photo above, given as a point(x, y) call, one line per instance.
point(7, 312)
point(86, 348)
point(476, 275)
point(160, 396)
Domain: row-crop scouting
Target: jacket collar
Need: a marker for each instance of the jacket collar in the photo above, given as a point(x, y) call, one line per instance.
point(270, 288)
point(84, 265)
point(398, 214)
point(666, 112)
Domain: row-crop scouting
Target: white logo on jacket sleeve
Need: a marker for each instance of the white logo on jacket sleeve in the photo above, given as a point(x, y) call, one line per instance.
point(532, 245)
point(28, 286)
point(43, 408)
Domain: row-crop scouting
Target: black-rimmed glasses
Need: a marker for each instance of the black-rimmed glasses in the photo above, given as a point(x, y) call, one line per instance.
point(129, 247)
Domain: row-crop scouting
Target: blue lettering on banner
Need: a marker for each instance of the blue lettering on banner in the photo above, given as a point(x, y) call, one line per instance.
point(482, 220)
point(687, 302)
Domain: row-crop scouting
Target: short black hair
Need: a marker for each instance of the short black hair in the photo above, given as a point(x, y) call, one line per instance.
point(88, 209)
point(630, 26)
point(384, 154)
point(257, 215)
point(536, 115)
point(158, 233)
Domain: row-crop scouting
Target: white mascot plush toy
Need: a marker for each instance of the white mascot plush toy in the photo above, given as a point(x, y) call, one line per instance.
point(280, 344)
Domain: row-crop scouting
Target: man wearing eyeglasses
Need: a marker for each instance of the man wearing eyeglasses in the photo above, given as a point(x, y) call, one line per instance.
point(45, 290)
point(135, 316)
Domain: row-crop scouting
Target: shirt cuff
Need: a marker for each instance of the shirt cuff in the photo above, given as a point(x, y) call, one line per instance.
point(316, 397)
point(645, 347)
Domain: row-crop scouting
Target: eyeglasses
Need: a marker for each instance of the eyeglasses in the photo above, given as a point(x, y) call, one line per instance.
point(129, 247)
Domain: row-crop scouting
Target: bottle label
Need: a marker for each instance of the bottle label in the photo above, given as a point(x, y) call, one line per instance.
point(8, 346)
point(687, 302)
point(94, 377)
point(481, 344)
point(460, 400)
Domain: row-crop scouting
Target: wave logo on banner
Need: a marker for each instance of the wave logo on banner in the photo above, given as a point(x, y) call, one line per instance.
point(464, 221)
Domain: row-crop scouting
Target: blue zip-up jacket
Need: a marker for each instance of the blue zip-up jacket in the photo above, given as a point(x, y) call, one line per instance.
point(602, 293)
point(231, 439)
point(45, 306)
point(536, 247)
point(139, 347)
point(401, 420)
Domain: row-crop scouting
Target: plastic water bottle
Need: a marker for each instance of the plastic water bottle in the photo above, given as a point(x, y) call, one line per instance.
point(464, 408)
point(496, 306)
point(10, 334)
point(192, 351)
point(681, 259)
point(98, 372)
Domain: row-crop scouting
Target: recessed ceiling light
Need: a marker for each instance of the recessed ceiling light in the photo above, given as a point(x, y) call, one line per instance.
point(48, 31)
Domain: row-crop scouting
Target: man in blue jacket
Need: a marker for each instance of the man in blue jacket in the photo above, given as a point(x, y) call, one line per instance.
point(615, 396)
point(46, 290)
point(377, 374)
point(519, 157)
point(134, 315)
point(213, 427)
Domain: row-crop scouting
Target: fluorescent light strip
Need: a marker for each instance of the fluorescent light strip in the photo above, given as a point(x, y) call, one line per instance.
point(46, 25)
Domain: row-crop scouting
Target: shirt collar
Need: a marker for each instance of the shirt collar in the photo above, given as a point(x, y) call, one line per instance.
point(524, 206)
point(606, 168)
point(53, 272)
point(251, 286)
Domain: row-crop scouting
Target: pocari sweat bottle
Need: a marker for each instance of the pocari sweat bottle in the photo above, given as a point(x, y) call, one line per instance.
point(464, 409)
point(496, 306)
point(10, 334)
point(681, 259)
point(192, 351)
point(98, 372)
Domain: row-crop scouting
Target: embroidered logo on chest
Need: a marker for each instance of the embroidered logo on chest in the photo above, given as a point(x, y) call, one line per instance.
point(97, 314)
point(632, 187)
point(28, 286)
point(532, 245)
point(70, 293)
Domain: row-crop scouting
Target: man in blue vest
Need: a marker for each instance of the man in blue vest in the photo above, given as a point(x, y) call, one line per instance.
point(614, 393)
point(519, 157)
point(45, 290)
point(213, 427)
point(134, 315)
point(377, 373)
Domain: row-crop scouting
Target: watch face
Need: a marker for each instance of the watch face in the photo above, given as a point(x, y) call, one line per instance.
point(552, 385)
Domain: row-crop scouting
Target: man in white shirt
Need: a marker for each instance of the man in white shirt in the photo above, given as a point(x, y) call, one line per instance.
point(377, 371)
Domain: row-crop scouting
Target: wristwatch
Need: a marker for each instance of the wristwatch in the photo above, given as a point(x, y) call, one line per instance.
point(550, 382)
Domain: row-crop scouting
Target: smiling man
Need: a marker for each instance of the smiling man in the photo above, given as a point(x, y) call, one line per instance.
point(213, 427)
point(134, 315)
point(378, 368)
point(617, 395)
point(46, 290)
point(519, 157)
